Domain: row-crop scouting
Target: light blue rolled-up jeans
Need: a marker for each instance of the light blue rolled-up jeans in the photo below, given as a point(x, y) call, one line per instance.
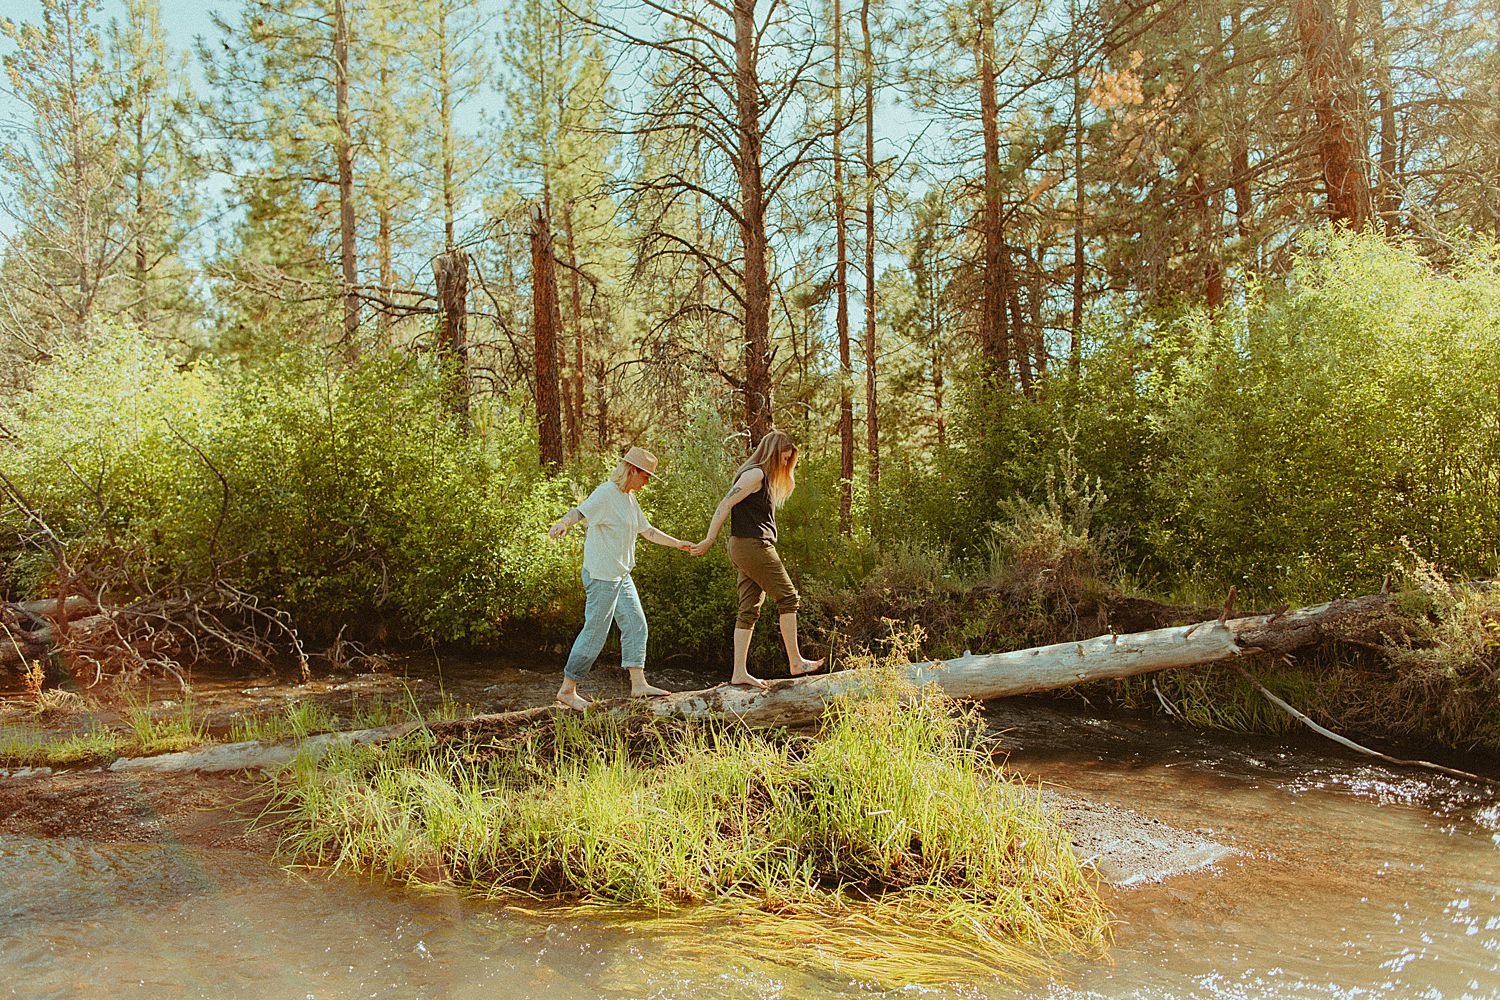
point(606, 601)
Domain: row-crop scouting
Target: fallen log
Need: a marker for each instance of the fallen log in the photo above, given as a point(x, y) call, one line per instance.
point(77, 604)
point(17, 646)
point(802, 700)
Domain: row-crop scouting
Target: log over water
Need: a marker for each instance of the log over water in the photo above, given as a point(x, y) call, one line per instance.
point(802, 700)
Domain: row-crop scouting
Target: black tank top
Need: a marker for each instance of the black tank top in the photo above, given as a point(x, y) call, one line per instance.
point(754, 517)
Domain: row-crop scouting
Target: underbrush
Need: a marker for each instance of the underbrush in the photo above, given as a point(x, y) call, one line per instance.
point(888, 837)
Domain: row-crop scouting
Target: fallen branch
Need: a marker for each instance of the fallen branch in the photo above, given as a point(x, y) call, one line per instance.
point(1345, 741)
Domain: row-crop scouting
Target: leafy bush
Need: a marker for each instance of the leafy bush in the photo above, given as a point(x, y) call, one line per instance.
point(1303, 436)
point(335, 494)
point(1283, 446)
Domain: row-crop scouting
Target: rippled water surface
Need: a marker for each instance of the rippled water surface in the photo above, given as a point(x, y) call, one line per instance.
point(1349, 880)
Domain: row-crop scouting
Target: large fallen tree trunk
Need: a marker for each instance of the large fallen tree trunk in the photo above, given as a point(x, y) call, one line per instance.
point(799, 701)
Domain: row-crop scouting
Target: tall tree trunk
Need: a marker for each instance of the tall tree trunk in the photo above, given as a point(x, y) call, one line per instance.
point(757, 287)
point(1020, 337)
point(384, 252)
point(1239, 166)
point(1036, 297)
point(993, 325)
point(841, 280)
point(544, 317)
point(601, 404)
point(445, 122)
point(83, 241)
point(573, 405)
point(1388, 185)
point(934, 328)
point(347, 248)
point(451, 273)
point(1342, 147)
point(142, 260)
point(1239, 162)
point(1206, 210)
point(872, 408)
point(1075, 326)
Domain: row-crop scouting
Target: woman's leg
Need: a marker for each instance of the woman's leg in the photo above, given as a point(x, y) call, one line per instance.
point(771, 575)
point(599, 598)
point(631, 618)
point(795, 661)
point(751, 597)
point(741, 674)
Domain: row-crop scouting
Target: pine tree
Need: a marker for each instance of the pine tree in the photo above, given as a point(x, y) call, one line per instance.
point(64, 174)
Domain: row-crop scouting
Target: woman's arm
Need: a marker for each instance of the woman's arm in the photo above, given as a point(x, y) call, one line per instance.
point(748, 482)
point(651, 534)
point(565, 522)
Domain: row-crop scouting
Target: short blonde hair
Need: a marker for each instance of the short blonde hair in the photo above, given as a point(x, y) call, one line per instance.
point(621, 475)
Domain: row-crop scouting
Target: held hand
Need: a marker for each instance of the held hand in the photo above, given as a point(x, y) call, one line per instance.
point(557, 530)
point(685, 546)
point(701, 547)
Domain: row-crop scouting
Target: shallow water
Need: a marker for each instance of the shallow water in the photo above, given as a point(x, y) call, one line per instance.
point(1349, 880)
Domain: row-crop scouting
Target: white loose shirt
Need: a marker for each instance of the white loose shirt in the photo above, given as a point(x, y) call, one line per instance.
point(614, 519)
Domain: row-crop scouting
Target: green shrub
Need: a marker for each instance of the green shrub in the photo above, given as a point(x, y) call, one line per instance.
point(336, 494)
point(1308, 433)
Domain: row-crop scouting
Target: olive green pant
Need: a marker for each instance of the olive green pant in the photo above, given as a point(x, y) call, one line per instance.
point(760, 573)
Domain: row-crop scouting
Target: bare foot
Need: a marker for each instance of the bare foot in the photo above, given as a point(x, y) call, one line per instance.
point(572, 700)
point(745, 680)
point(807, 667)
point(647, 691)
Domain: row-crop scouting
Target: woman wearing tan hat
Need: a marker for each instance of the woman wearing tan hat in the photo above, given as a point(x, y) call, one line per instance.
point(761, 485)
point(614, 520)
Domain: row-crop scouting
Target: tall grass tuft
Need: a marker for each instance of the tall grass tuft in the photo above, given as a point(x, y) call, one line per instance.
point(888, 842)
point(177, 729)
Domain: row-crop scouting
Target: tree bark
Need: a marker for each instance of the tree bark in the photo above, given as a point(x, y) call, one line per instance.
point(757, 284)
point(451, 272)
point(993, 325)
point(545, 323)
point(345, 150)
point(1342, 146)
point(872, 400)
point(1075, 325)
point(841, 280)
point(1387, 184)
point(573, 403)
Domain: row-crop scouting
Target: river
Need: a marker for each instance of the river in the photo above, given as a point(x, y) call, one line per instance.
point(1348, 879)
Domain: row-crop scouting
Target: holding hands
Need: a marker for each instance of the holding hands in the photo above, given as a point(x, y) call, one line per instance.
point(699, 548)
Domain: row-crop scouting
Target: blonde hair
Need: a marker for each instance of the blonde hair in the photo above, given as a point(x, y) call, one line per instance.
point(621, 475)
point(779, 471)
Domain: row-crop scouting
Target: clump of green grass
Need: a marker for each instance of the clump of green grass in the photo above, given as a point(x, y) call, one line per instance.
point(296, 720)
point(887, 839)
point(164, 732)
point(374, 713)
point(33, 748)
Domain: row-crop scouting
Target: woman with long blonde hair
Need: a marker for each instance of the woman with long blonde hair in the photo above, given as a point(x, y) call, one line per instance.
point(761, 485)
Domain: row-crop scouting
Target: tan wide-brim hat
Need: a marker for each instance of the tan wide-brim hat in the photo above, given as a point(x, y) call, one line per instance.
point(641, 459)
